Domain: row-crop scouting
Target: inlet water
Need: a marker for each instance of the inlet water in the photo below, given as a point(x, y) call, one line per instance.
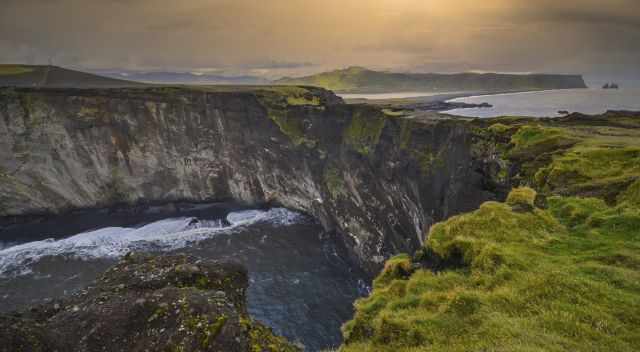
point(299, 284)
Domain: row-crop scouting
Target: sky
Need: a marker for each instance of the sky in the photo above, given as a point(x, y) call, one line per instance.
point(272, 38)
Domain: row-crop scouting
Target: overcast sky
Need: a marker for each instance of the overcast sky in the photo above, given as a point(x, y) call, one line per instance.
point(277, 37)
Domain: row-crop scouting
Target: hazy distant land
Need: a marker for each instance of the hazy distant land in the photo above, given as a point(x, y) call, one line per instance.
point(362, 80)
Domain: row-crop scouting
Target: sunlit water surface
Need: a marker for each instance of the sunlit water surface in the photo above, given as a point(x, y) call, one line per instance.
point(550, 103)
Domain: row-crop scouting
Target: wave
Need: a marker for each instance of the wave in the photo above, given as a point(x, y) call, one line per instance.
point(114, 242)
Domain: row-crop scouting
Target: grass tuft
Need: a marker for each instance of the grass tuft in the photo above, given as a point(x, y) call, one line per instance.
point(522, 197)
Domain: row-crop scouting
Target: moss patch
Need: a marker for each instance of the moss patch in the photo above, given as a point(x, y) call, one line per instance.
point(262, 339)
point(394, 112)
point(295, 96)
point(522, 197)
point(334, 181)
point(406, 127)
point(281, 103)
point(499, 128)
point(631, 194)
point(364, 130)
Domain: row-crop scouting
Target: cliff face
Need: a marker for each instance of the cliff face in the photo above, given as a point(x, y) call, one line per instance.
point(380, 182)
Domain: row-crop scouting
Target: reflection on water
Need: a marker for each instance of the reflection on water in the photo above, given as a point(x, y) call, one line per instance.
point(396, 95)
point(549, 103)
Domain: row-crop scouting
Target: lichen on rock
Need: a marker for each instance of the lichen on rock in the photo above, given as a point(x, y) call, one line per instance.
point(145, 302)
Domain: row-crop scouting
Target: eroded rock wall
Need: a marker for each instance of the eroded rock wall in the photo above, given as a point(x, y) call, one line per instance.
point(378, 181)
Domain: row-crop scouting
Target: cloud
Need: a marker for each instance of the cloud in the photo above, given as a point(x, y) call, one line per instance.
point(291, 37)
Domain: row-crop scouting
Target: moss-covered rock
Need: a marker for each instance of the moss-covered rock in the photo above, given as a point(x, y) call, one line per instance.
point(363, 133)
point(148, 303)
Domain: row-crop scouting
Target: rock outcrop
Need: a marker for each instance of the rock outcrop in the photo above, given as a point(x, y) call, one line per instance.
point(147, 303)
point(376, 180)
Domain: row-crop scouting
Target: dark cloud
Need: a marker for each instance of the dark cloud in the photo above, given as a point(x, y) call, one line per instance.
point(300, 36)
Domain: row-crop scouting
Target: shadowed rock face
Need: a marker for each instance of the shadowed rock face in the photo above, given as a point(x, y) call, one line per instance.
point(165, 303)
point(378, 181)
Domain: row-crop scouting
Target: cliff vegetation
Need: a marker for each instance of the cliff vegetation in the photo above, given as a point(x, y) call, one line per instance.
point(554, 268)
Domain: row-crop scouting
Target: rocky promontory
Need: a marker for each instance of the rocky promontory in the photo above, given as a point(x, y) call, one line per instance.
point(147, 303)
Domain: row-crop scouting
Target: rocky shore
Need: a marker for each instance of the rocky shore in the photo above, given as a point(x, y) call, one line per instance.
point(147, 303)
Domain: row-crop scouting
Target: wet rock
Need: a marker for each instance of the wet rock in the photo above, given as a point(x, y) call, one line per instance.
point(148, 303)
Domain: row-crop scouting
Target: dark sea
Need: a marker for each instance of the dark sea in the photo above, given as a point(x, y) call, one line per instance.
point(300, 285)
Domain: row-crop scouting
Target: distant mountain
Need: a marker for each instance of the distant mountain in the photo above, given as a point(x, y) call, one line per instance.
point(362, 80)
point(183, 78)
point(58, 77)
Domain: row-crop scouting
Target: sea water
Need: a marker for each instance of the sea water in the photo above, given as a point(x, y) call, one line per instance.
point(299, 285)
point(550, 103)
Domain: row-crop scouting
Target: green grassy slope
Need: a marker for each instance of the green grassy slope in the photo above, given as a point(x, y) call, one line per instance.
point(358, 79)
point(555, 271)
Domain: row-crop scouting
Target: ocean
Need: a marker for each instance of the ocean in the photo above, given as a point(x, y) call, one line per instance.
point(550, 103)
point(299, 283)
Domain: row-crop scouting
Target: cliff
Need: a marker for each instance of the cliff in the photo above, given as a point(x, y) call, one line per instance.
point(377, 181)
point(362, 80)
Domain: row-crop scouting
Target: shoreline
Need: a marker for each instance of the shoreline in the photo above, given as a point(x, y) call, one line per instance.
point(453, 100)
point(444, 97)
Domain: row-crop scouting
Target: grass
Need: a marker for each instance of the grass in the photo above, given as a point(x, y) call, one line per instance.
point(594, 170)
point(522, 197)
point(521, 278)
point(281, 103)
point(599, 159)
point(295, 96)
point(395, 113)
point(631, 194)
point(6, 70)
point(531, 140)
point(562, 279)
point(499, 128)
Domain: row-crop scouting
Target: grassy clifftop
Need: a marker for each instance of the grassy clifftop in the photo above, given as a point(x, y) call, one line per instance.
point(359, 79)
point(553, 270)
point(566, 278)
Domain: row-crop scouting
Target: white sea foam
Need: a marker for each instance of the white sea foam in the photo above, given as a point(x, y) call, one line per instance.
point(113, 242)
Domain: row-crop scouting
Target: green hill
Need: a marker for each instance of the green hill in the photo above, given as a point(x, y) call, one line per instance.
point(362, 80)
point(56, 77)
